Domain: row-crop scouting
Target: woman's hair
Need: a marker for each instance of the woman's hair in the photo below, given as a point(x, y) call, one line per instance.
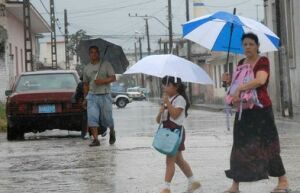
point(180, 89)
point(251, 36)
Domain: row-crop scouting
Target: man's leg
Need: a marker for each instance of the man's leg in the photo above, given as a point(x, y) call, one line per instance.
point(93, 118)
point(94, 133)
point(96, 141)
point(107, 117)
point(112, 135)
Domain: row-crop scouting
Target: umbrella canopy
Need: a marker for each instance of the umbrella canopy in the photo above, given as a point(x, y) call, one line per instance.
point(108, 51)
point(170, 65)
point(213, 32)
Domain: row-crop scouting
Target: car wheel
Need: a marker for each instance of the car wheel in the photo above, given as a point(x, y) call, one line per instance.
point(121, 102)
point(13, 133)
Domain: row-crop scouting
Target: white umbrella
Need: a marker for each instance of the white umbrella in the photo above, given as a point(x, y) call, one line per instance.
point(170, 65)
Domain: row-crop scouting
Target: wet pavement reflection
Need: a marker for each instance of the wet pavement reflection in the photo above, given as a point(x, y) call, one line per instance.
point(60, 161)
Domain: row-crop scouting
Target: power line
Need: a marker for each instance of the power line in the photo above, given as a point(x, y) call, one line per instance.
point(113, 9)
point(121, 36)
point(229, 5)
point(89, 9)
point(57, 20)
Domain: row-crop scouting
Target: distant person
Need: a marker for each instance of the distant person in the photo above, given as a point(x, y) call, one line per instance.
point(255, 153)
point(79, 98)
point(173, 113)
point(97, 76)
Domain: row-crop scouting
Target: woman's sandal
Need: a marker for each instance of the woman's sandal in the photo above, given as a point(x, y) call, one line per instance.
point(281, 190)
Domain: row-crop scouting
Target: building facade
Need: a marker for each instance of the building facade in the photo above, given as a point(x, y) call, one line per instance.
point(281, 16)
point(12, 59)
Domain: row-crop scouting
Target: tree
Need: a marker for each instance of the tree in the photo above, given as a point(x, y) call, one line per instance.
point(75, 39)
point(3, 38)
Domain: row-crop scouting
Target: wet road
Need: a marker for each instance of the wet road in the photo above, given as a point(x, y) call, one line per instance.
point(58, 161)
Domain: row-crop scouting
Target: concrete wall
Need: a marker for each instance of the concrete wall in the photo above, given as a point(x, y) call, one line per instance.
point(295, 56)
point(292, 24)
point(45, 54)
point(13, 62)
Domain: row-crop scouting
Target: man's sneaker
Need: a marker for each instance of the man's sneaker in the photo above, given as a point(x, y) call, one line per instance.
point(112, 137)
point(86, 136)
point(95, 143)
point(193, 187)
point(104, 134)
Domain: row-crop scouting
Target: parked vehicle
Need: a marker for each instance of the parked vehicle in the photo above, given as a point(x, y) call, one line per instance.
point(120, 99)
point(135, 93)
point(42, 100)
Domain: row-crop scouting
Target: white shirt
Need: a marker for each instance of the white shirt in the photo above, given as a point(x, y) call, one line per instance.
point(179, 102)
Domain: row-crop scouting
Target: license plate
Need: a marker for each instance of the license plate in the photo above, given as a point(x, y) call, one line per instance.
point(46, 108)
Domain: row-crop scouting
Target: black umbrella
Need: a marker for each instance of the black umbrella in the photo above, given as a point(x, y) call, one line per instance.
point(108, 51)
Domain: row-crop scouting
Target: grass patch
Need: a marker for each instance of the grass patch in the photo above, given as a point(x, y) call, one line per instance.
point(3, 121)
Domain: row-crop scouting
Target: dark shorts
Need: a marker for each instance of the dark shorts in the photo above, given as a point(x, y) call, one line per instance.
point(182, 146)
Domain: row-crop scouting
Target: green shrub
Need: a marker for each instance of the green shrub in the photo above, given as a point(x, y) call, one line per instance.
point(3, 121)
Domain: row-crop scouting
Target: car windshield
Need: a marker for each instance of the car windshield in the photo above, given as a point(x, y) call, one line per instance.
point(37, 82)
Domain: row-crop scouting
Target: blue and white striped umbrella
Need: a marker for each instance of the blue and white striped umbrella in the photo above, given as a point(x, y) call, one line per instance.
point(213, 32)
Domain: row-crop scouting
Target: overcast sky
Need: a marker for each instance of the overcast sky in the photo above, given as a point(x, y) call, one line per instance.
point(110, 17)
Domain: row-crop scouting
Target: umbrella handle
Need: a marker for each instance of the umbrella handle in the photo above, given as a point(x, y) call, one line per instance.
point(106, 48)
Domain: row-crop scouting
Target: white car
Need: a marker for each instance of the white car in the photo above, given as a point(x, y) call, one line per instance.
point(120, 99)
point(135, 93)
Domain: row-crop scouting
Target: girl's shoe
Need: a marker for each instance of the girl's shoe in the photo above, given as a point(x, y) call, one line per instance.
point(193, 187)
point(166, 191)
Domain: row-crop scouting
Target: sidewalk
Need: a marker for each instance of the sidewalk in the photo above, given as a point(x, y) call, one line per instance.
point(219, 108)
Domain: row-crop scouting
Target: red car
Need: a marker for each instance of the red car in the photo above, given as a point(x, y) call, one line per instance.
point(42, 100)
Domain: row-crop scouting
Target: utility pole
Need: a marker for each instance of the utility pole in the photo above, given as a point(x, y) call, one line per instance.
point(146, 18)
point(136, 59)
point(159, 45)
point(53, 35)
point(27, 36)
point(284, 71)
point(140, 47)
point(170, 26)
point(187, 6)
point(141, 56)
point(66, 40)
point(148, 36)
point(135, 52)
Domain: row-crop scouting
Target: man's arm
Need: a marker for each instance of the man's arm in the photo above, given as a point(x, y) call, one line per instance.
point(111, 77)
